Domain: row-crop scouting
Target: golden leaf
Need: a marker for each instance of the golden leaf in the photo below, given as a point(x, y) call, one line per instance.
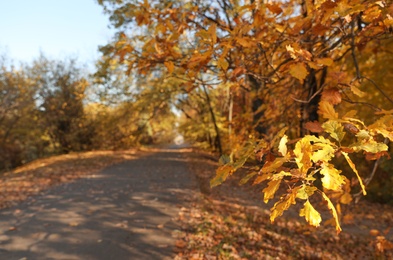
point(327, 111)
point(222, 174)
point(223, 63)
point(310, 214)
point(324, 61)
point(299, 71)
point(284, 204)
point(305, 192)
point(333, 210)
point(271, 189)
point(282, 147)
point(170, 66)
point(352, 165)
point(332, 179)
point(303, 150)
point(274, 8)
point(357, 91)
point(335, 129)
point(325, 154)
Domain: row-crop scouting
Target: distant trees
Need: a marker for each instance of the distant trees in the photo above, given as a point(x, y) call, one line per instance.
point(52, 106)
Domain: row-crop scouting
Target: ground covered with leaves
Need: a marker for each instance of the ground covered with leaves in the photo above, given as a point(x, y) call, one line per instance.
point(232, 222)
point(39, 175)
point(229, 221)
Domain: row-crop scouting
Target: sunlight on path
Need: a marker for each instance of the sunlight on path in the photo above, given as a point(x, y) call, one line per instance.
point(126, 211)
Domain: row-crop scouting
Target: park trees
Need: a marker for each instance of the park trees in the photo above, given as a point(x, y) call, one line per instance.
point(304, 83)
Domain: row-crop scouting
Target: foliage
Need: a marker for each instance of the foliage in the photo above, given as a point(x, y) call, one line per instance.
point(301, 66)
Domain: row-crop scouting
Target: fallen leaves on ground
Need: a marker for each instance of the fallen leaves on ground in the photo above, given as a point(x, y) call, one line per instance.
point(222, 224)
point(39, 175)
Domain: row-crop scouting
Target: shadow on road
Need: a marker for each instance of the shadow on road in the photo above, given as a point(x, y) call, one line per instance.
point(126, 211)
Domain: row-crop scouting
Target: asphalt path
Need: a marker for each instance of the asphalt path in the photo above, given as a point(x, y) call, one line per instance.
point(126, 211)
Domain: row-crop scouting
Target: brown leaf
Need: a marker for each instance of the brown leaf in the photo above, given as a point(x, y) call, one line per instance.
point(331, 95)
point(314, 127)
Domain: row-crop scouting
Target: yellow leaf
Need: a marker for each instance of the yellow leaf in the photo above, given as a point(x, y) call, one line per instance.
point(305, 192)
point(223, 64)
point(335, 129)
point(325, 154)
point(273, 166)
point(324, 61)
point(262, 177)
point(282, 147)
point(274, 8)
point(327, 111)
point(284, 203)
point(332, 179)
point(271, 189)
point(170, 66)
point(333, 210)
point(222, 174)
point(303, 150)
point(299, 71)
point(213, 33)
point(244, 42)
point(355, 171)
point(357, 91)
point(310, 214)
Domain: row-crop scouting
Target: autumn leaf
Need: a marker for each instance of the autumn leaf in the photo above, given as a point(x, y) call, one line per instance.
point(335, 129)
point(333, 211)
point(282, 147)
point(353, 167)
point(271, 189)
point(303, 151)
point(170, 66)
point(331, 95)
point(299, 71)
point(305, 191)
point(222, 174)
point(332, 179)
point(310, 214)
point(283, 204)
point(326, 109)
point(314, 127)
point(324, 61)
point(357, 91)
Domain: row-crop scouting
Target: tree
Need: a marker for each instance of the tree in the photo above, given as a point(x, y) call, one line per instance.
point(296, 65)
point(61, 91)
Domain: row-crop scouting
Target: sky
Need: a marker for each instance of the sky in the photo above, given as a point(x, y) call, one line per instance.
point(57, 28)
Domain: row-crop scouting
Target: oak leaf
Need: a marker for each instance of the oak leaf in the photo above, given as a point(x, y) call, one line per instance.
point(310, 214)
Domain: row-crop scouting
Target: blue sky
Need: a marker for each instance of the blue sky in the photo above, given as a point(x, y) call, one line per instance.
point(58, 28)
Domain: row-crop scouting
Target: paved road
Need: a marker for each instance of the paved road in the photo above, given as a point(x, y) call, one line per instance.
point(126, 211)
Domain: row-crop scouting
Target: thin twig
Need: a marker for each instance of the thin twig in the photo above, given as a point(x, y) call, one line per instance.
point(379, 89)
point(311, 98)
point(355, 60)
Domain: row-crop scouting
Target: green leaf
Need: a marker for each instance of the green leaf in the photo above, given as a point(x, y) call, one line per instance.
point(310, 214)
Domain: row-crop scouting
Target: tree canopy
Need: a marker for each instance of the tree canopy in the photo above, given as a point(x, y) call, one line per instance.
point(298, 86)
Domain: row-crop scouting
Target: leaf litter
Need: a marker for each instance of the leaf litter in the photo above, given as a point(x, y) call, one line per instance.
point(232, 222)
